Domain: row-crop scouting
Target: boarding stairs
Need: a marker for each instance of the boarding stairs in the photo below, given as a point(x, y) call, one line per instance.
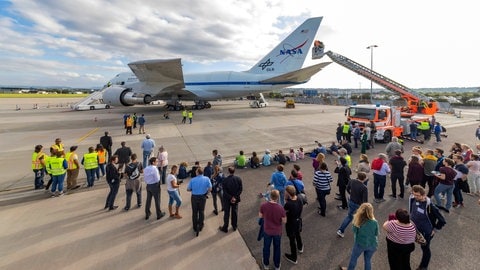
point(374, 76)
point(94, 98)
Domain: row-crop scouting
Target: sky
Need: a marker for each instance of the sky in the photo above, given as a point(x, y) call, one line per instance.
point(85, 43)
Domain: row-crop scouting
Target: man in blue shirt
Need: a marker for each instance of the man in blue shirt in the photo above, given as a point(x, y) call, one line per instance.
point(200, 185)
point(147, 145)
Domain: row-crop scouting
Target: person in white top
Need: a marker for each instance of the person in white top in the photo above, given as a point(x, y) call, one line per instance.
point(173, 193)
point(473, 175)
point(162, 157)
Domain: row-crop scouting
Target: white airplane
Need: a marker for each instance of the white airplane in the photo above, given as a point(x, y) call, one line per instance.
point(163, 79)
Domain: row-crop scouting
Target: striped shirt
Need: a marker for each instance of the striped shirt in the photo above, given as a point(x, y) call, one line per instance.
point(322, 179)
point(400, 234)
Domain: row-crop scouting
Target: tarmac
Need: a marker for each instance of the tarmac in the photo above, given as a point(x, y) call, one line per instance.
point(74, 232)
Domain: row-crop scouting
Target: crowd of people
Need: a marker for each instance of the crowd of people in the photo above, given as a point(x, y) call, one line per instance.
point(447, 174)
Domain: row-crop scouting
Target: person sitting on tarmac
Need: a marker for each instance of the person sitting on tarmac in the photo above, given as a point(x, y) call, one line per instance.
point(240, 160)
point(254, 161)
point(267, 158)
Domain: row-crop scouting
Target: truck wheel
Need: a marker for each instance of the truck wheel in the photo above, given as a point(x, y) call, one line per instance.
point(387, 136)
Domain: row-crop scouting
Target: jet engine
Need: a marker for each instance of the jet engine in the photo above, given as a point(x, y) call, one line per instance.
point(118, 96)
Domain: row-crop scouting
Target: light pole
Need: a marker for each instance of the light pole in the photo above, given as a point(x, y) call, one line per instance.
point(371, 68)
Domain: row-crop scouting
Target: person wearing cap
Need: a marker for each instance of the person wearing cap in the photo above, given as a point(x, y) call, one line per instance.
point(38, 166)
point(267, 158)
point(73, 168)
point(148, 145)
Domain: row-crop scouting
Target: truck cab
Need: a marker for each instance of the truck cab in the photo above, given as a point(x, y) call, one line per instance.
point(387, 119)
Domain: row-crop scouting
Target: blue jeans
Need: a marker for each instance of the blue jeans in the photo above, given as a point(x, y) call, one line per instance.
point(146, 156)
point(57, 180)
point(426, 252)
point(129, 193)
point(90, 176)
point(352, 208)
point(379, 185)
point(174, 196)
point(282, 197)
point(101, 168)
point(39, 174)
point(367, 256)
point(442, 188)
point(267, 241)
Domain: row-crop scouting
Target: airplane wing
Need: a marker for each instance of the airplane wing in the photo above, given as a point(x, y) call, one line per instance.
point(298, 76)
point(167, 72)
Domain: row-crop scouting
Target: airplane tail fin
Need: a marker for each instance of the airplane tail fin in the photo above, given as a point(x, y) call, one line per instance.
point(290, 54)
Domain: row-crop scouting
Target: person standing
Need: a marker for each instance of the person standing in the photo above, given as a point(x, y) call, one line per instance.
point(38, 166)
point(199, 186)
point(58, 145)
point(73, 168)
point(274, 216)
point(321, 180)
point(401, 235)
point(141, 122)
point(445, 178)
point(356, 134)
point(462, 172)
point(113, 181)
point(279, 181)
point(477, 133)
point(173, 193)
point(184, 116)
point(217, 188)
point(427, 219)
point(217, 158)
point(152, 179)
point(102, 160)
point(133, 184)
point(90, 163)
point(372, 133)
point(380, 170)
point(134, 119)
point(123, 153)
point(437, 130)
point(190, 116)
point(148, 145)
point(397, 164)
point(293, 208)
point(365, 231)
point(393, 146)
point(129, 125)
point(107, 143)
point(358, 195)
point(344, 173)
point(232, 189)
point(162, 157)
point(58, 169)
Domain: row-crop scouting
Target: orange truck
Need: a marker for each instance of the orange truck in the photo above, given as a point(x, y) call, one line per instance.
point(388, 120)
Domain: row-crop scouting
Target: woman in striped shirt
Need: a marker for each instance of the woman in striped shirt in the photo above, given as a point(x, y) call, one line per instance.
point(400, 240)
point(321, 181)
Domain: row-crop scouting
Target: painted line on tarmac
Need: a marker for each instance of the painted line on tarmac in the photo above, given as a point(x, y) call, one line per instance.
point(86, 135)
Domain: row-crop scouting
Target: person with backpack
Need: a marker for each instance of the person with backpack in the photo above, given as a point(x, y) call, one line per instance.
point(133, 184)
point(427, 218)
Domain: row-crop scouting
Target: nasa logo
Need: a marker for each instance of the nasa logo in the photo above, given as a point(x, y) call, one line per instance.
point(292, 50)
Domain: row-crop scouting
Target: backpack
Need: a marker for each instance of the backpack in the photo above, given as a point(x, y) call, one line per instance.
point(377, 164)
point(132, 171)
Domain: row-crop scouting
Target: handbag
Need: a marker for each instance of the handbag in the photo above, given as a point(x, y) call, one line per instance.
point(419, 239)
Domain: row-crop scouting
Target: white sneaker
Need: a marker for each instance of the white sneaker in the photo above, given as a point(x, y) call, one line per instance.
point(339, 233)
point(265, 267)
point(301, 250)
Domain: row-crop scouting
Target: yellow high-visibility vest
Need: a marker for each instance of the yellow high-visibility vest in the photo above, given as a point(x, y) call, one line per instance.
point(90, 161)
point(56, 166)
point(36, 163)
point(70, 157)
